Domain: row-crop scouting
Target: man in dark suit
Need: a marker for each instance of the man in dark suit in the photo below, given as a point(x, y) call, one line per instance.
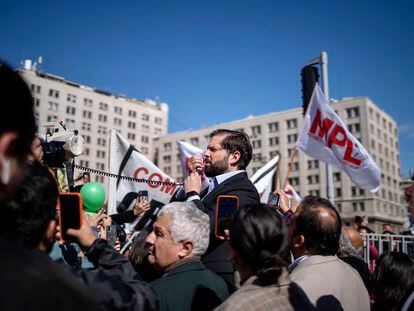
point(225, 160)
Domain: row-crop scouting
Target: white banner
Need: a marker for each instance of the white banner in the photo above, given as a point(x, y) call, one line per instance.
point(325, 137)
point(130, 162)
point(264, 179)
point(187, 151)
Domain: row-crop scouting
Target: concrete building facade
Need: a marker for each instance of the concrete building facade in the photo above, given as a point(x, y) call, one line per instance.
point(277, 133)
point(94, 113)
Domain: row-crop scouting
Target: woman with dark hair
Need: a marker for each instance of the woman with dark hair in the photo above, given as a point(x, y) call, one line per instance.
point(257, 242)
point(138, 257)
point(392, 280)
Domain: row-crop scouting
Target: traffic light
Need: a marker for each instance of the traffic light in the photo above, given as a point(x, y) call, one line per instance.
point(310, 76)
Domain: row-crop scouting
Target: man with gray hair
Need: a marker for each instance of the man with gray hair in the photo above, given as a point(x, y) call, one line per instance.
point(350, 250)
point(179, 238)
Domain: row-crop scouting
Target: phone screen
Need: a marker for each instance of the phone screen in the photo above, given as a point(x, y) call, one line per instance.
point(273, 200)
point(143, 194)
point(226, 207)
point(70, 213)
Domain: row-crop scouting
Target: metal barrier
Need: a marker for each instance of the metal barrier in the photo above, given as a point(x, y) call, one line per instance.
point(376, 244)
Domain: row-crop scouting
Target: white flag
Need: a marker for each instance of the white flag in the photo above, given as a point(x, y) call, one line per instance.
point(325, 137)
point(187, 151)
point(264, 179)
point(130, 162)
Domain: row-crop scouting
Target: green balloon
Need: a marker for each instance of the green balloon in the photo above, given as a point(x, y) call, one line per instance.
point(93, 195)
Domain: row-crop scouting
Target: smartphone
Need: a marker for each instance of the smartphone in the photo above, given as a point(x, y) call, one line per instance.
point(111, 234)
point(273, 200)
point(143, 194)
point(70, 214)
point(225, 208)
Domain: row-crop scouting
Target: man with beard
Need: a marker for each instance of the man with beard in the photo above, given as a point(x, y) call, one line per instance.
point(225, 160)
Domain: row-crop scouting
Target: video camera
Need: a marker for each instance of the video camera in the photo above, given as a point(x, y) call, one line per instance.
point(60, 145)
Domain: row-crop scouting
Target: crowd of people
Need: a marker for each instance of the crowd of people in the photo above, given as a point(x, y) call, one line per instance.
point(295, 256)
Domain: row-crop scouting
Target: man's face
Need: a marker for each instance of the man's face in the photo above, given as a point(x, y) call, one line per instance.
point(216, 157)
point(162, 252)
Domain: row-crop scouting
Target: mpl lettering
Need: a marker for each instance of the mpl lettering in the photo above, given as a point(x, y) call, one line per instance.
point(333, 134)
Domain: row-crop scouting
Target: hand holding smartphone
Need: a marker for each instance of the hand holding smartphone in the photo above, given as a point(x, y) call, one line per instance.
point(226, 206)
point(70, 214)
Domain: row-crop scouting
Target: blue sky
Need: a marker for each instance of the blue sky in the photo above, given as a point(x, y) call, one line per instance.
point(217, 61)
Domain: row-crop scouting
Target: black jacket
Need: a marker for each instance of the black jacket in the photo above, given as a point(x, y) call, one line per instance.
point(30, 280)
point(115, 283)
point(216, 257)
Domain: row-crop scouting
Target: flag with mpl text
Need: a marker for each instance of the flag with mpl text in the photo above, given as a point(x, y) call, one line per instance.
point(325, 137)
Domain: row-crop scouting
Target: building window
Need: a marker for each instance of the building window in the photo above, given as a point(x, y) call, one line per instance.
point(103, 106)
point(53, 93)
point(292, 138)
point(145, 128)
point(118, 121)
point(35, 88)
point(118, 110)
point(294, 181)
point(158, 120)
point(273, 153)
point(71, 98)
point(315, 193)
point(100, 154)
point(194, 141)
point(354, 128)
point(352, 112)
point(313, 164)
point(167, 170)
point(132, 114)
point(131, 125)
point(257, 157)
point(273, 127)
point(51, 118)
point(145, 139)
point(256, 143)
point(101, 141)
point(87, 138)
point(338, 192)
point(157, 130)
point(87, 114)
point(336, 177)
point(167, 158)
point(167, 146)
point(256, 130)
point(70, 123)
point(274, 141)
point(102, 129)
point(70, 110)
point(131, 136)
point(102, 118)
point(313, 179)
point(52, 106)
point(87, 102)
point(291, 123)
point(145, 117)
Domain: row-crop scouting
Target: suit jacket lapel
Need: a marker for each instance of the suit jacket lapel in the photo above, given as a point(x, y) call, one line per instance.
point(222, 185)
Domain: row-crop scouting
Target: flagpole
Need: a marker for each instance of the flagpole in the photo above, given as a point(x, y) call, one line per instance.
point(325, 88)
point(292, 159)
point(322, 60)
point(113, 169)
